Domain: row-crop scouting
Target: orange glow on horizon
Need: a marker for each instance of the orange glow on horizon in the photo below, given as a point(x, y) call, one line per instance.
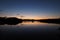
point(32, 17)
point(35, 18)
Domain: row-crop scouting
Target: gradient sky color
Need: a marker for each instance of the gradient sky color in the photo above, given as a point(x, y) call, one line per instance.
point(30, 8)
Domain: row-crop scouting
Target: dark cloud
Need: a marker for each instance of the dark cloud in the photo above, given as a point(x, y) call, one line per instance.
point(1, 10)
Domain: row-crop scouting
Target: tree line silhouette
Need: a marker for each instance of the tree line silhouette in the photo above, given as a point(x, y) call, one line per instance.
point(14, 20)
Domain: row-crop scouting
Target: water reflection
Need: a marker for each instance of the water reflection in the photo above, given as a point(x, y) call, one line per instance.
point(28, 23)
point(30, 28)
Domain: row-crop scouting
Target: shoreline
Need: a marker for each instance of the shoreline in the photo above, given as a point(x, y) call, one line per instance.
point(14, 20)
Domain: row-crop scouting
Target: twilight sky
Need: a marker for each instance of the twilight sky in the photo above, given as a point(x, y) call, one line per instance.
point(30, 8)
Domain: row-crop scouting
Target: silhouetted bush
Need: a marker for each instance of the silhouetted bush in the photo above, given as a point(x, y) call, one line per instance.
point(10, 20)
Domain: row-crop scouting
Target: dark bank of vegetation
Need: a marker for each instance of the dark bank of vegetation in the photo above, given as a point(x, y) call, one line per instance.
point(14, 20)
point(57, 21)
point(10, 20)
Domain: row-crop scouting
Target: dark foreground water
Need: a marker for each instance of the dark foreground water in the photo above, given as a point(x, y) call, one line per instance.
point(29, 30)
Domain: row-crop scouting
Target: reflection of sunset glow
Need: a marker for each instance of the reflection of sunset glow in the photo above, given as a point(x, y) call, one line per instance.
point(34, 24)
point(31, 23)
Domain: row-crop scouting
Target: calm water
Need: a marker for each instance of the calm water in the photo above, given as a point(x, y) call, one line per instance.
point(30, 30)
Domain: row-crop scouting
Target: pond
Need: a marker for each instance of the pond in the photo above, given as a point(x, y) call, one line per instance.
point(28, 29)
